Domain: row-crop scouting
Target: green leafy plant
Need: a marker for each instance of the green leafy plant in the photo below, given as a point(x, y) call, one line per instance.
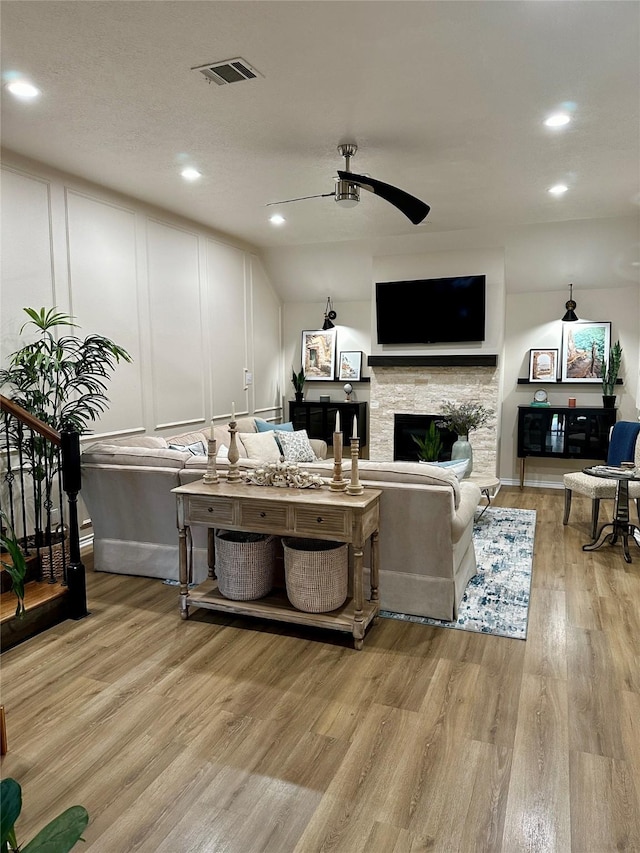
point(430, 446)
point(463, 417)
point(298, 380)
point(58, 836)
point(611, 371)
point(63, 382)
point(15, 565)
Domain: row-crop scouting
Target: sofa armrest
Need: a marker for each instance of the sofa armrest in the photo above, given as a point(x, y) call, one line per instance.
point(319, 447)
point(469, 499)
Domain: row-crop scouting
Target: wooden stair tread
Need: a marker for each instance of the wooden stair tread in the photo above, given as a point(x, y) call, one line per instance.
point(37, 593)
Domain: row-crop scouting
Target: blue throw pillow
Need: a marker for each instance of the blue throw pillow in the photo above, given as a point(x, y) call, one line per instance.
point(265, 426)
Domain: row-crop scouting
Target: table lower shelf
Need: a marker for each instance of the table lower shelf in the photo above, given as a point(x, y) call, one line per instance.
point(276, 606)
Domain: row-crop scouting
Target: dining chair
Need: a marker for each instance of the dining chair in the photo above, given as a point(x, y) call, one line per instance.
point(624, 446)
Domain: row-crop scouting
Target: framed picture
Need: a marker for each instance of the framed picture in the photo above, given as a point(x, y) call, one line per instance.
point(585, 351)
point(543, 365)
point(350, 365)
point(319, 354)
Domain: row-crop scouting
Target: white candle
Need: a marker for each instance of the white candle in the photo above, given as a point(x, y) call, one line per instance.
point(233, 411)
point(337, 427)
point(354, 433)
point(211, 429)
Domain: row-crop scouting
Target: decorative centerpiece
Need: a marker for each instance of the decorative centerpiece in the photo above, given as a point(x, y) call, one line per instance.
point(282, 475)
point(462, 418)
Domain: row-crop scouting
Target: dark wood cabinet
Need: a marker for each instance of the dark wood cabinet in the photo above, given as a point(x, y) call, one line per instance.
point(319, 418)
point(563, 432)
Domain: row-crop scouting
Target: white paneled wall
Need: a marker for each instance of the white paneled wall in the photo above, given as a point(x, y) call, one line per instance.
point(194, 310)
point(94, 227)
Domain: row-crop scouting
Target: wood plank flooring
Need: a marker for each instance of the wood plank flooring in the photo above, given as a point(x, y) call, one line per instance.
point(231, 735)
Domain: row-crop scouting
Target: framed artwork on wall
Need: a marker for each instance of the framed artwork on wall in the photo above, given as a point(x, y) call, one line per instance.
point(319, 354)
point(350, 365)
point(585, 351)
point(543, 365)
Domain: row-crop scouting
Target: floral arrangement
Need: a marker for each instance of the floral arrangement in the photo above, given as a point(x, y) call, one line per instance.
point(463, 417)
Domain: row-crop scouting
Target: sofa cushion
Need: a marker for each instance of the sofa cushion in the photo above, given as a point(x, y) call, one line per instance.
point(261, 445)
point(146, 457)
point(295, 446)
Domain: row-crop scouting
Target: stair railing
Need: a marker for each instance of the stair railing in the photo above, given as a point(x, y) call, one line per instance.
point(33, 450)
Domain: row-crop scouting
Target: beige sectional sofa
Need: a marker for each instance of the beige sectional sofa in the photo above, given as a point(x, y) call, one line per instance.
point(426, 548)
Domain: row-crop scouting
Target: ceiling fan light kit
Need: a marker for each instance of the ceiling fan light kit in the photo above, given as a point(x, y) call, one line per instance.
point(347, 190)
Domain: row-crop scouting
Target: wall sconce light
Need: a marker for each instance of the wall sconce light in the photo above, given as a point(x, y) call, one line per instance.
point(570, 305)
point(329, 315)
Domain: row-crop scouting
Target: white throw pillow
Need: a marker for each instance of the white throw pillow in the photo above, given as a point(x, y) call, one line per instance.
point(295, 445)
point(222, 452)
point(261, 445)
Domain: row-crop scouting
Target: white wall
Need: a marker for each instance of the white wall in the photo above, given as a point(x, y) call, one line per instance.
point(195, 311)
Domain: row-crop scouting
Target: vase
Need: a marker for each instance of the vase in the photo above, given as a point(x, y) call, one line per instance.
point(299, 396)
point(608, 401)
point(461, 449)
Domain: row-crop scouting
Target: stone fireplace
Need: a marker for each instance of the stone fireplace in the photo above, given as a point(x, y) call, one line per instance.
point(419, 385)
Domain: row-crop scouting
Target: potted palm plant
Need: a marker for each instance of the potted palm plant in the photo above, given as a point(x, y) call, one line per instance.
point(610, 376)
point(430, 446)
point(62, 380)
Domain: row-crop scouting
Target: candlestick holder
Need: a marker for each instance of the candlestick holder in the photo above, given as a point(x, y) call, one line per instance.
point(338, 484)
point(354, 487)
point(233, 474)
point(211, 474)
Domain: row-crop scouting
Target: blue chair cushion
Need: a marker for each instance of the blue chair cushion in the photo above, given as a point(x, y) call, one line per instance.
point(623, 442)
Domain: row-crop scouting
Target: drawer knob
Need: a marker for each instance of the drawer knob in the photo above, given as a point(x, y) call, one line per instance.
point(319, 519)
point(263, 515)
point(209, 509)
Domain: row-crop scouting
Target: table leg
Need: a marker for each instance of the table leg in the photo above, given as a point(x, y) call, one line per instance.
point(184, 572)
point(620, 526)
point(211, 551)
point(522, 473)
point(375, 572)
point(358, 616)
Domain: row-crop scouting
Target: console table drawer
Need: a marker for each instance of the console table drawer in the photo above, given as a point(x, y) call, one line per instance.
point(213, 511)
point(262, 516)
point(322, 519)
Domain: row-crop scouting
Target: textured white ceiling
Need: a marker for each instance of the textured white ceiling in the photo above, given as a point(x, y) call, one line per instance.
point(445, 100)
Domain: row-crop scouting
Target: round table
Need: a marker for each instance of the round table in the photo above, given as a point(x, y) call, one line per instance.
point(621, 526)
point(489, 485)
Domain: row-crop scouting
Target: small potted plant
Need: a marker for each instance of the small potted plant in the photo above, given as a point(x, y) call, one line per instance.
point(297, 380)
point(430, 446)
point(462, 418)
point(610, 375)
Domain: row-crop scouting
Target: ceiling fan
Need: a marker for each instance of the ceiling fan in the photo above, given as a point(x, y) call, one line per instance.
point(348, 184)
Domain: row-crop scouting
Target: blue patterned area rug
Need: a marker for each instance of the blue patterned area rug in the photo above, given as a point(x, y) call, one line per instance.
point(496, 600)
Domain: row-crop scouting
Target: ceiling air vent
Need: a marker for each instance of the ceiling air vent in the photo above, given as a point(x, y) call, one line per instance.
point(228, 71)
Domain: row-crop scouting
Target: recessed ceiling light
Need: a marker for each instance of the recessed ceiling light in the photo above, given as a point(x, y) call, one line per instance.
point(277, 219)
point(190, 174)
point(23, 89)
point(558, 189)
point(557, 120)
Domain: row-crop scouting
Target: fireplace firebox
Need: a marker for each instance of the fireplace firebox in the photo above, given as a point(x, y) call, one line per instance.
point(404, 447)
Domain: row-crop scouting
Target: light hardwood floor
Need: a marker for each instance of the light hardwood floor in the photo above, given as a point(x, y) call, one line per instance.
point(240, 736)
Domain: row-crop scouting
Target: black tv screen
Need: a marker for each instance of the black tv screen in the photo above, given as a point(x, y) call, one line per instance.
point(430, 311)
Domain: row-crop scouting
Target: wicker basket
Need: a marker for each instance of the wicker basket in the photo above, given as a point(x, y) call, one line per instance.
point(316, 574)
point(244, 564)
point(54, 571)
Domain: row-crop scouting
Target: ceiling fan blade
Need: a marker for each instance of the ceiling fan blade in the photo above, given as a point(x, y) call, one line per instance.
point(302, 198)
point(412, 207)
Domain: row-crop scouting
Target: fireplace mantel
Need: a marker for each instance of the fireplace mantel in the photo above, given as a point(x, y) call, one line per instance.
point(478, 360)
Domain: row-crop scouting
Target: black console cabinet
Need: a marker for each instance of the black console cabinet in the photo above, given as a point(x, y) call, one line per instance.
point(563, 432)
point(319, 419)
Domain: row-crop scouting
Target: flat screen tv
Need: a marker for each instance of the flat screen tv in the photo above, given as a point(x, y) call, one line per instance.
point(431, 310)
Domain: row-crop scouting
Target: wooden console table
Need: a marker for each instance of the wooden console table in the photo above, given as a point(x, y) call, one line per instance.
point(306, 513)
